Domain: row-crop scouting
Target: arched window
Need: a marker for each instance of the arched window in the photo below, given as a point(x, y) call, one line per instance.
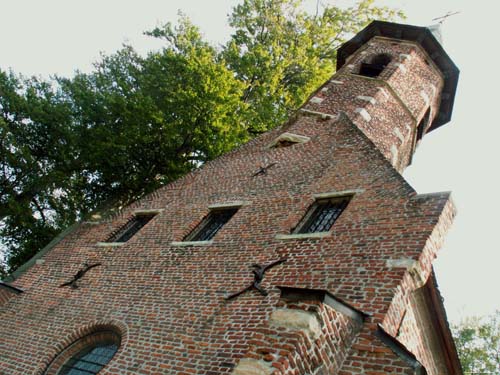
point(87, 355)
point(375, 66)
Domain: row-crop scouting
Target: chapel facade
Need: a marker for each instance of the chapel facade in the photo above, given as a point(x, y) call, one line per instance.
point(303, 251)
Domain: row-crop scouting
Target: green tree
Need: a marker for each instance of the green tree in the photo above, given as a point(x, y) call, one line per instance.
point(282, 53)
point(133, 124)
point(36, 156)
point(104, 139)
point(145, 121)
point(478, 344)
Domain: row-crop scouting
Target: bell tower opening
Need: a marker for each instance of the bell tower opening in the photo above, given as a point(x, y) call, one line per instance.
point(410, 72)
point(376, 66)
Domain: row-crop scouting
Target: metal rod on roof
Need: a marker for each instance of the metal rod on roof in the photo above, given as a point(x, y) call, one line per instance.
point(445, 17)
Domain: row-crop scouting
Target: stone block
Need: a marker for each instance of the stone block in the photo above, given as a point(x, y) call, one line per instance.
point(296, 320)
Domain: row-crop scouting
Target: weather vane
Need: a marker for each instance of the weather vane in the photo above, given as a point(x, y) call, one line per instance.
point(445, 17)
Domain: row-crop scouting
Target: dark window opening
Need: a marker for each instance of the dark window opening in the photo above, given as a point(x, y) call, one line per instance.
point(284, 143)
point(288, 139)
point(211, 224)
point(375, 67)
point(322, 214)
point(423, 125)
point(126, 232)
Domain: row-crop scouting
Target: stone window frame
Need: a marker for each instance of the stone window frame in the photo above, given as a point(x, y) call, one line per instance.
point(74, 348)
point(318, 197)
point(202, 223)
point(140, 212)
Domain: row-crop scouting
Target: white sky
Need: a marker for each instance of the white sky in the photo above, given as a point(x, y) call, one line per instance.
point(59, 36)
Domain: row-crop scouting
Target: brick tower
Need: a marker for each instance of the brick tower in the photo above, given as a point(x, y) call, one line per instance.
point(301, 252)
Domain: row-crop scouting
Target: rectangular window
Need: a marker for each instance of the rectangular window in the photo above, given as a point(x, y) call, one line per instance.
point(322, 214)
point(211, 224)
point(130, 228)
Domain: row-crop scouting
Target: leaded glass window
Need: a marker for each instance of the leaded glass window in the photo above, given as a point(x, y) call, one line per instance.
point(322, 214)
point(211, 224)
point(130, 228)
point(90, 360)
point(86, 356)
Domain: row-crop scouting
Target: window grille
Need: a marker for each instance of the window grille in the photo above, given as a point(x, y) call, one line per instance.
point(211, 224)
point(322, 214)
point(87, 355)
point(130, 228)
point(90, 360)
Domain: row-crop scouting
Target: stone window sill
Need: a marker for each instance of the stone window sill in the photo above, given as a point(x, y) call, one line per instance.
point(233, 204)
point(299, 236)
point(110, 244)
point(335, 194)
point(148, 211)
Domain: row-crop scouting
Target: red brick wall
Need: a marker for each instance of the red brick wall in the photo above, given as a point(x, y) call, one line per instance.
point(169, 300)
point(418, 339)
point(5, 295)
point(287, 350)
point(370, 356)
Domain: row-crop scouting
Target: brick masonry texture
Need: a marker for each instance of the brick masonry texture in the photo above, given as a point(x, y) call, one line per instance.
point(397, 95)
point(7, 293)
point(167, 302)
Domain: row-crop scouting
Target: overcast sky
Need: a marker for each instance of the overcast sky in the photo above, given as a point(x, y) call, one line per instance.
point(45, 37)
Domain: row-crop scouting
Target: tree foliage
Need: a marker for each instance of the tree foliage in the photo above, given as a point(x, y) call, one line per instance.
point(106, 138)
point(478, 344)
point(36, 159)
point(282, 53)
